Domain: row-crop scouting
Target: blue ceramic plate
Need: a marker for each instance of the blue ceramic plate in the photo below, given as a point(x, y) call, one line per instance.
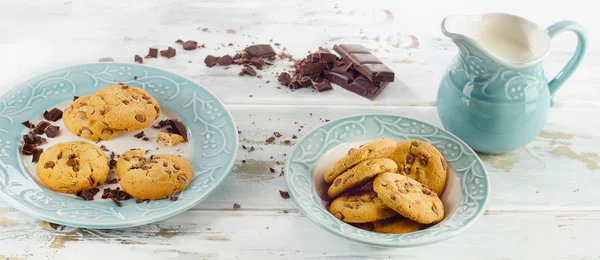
point(465, 196)
point(214, 144)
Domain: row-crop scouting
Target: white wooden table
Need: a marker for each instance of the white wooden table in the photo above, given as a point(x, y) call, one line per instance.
point(545, 200)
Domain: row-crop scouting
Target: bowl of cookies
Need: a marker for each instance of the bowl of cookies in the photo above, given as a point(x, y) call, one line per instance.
point(112, 145)
point(387, 180)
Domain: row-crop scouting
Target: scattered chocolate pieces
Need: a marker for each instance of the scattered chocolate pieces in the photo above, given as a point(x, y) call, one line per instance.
point(190, 45)
point(52, 131)
point(270, 139)
point(138, 59)
point(169, 53)
point(261, 50)
point(284, 194)
point(39, 129)
point(248, 71)
point(87, 194)
point(36, 154)
point(211, 60)
point(28, 124)
point(236, 206)
point(152, 53)
point(178, 128)
point(116, 195)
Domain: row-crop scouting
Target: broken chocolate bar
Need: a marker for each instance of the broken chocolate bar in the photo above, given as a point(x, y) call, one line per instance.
point(261, 50)
point(359, 85)
point(365, 62)
point(322, 86)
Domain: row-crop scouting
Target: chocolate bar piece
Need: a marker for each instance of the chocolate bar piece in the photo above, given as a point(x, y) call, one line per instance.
point(322, 55)
point(365, 62)
point(359, 85)
point(261, 50)
point(322, 86)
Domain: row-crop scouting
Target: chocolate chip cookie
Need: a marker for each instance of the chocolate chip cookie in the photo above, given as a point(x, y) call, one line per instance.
point(396, 225)
point(421, 161)
point(72, 166)
point(359, 174)
point(409, 197)
point(377, 149)
point(360, 208)
point(110, 111)
point(157, 178)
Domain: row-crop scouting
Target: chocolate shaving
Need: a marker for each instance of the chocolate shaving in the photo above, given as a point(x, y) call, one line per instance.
point(251, 149)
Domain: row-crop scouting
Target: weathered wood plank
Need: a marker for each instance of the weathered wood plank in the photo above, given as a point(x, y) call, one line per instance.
point(266, 235)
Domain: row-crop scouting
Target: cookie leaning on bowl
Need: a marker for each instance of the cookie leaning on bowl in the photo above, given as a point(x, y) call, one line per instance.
point(377, 149)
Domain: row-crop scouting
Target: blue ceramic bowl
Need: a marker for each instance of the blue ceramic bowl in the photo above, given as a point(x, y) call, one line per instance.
point(465, 196)
point(214, 143)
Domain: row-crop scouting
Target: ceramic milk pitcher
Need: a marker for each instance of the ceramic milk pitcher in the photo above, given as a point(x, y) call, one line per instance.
point(495, 95)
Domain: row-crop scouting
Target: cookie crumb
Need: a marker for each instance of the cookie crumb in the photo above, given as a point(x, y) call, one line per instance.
point(170, 139)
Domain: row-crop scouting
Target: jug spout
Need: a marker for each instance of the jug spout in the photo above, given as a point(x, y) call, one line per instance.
point(509, 40)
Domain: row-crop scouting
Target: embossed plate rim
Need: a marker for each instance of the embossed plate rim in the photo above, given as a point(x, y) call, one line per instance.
point(170, 211)
point(399, 243)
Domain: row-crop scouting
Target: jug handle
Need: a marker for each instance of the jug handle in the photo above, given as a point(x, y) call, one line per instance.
point(567, 70)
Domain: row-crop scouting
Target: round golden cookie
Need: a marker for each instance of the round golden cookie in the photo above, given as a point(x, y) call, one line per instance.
point(359, 174)
point(396, 225)
point(84, 118)
point(421, 161)
point(157, 178)
point(360, 208)
point(72, 166)
point(409, 197)
point(377, 149)
point(128, 108)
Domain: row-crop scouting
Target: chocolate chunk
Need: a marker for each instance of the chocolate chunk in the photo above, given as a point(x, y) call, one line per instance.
point(284, 78)
point(87, 194)
point(75, 98)
point(248, 71)
point(39, 129)
point(52, 131)
point(139, 135)
point(39, 140)
point(311, 68)
point(190, 45)
point(224, 61)
point(169, 53)
point(152, 53)
point(236, 206)
point(178, 128)
point(294, 137)
point(145, 138)
point(270, 139)
point(27, 149)
point(305, 82)
point(211, 60)
point(28, 138)
point(53, 115)
point(322, 86)
point(365, 62)
point(322, 56)
point(257, 62)
point(138, 59)
point(287, 142)
point(277, 134)
point(261, 50)
point(36, 154)
point(28, 124)
point(284, 194)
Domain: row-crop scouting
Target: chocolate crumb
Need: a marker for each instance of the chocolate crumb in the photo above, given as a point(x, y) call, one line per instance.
point(244, 147)
point(272, 170)
point(139, 135)
point(248, 71)
point(294, 137)
point(284, 194)
point(146, 138)
point(285, 211)
point(138, 201)
point(270, 139)
point(243, 161)
point(173, 198)
point(287, 142)
point(251, 149)
point(190, 45)
point(277, 134)
point(112, 181)
point(75, 98)
point(104, 148)
point(53, 115)
point(28, 124)
point(168, 53)
point(180, 41)
point(138, 59)
point(236, 206)
point(52, 131)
